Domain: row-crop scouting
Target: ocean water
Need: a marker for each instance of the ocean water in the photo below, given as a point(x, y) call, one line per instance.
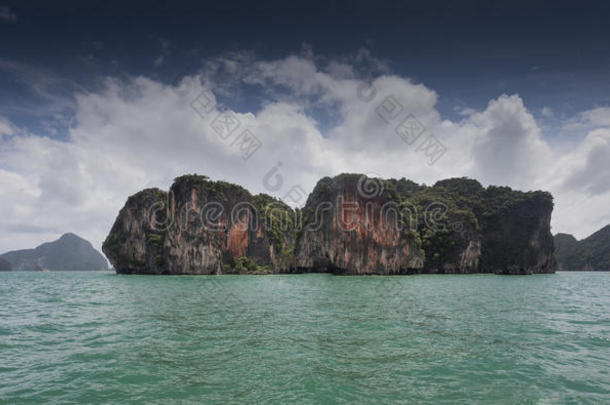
point(83, 337)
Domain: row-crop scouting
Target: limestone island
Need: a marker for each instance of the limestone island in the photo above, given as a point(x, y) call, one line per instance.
point(351, 224)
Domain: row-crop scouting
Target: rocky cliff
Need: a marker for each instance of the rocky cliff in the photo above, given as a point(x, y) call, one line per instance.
point(351, 224)
point(455, 226)
point(494, 229)
point(69, 252)
point(201, 227)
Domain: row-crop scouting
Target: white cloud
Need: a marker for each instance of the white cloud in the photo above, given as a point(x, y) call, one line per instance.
point(588, 169)
point(141, 133)
point(598, 116)
point(587, 121)
point(509, 149)
point(547, 112)
point(6, 127)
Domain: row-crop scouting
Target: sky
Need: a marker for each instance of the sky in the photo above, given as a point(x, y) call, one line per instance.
point(101, 99)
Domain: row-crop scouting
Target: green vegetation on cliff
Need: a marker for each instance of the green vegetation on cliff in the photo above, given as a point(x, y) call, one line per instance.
point(278, 219)
point(205, 186)
point(245, 265)
point(455, 212)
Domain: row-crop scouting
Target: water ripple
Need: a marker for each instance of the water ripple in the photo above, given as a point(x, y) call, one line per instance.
point(70, 337)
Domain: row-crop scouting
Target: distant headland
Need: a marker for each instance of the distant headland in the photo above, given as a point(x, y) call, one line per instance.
point(69, 252)
point(591, 253)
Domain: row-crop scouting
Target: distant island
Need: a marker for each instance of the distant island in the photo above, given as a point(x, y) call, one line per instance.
point(591, 254)
point(351, 224)
point(69, 252)
point(5, 265)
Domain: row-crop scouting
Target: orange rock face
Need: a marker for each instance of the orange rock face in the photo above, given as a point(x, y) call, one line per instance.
point(199, 227)
point(350, 231)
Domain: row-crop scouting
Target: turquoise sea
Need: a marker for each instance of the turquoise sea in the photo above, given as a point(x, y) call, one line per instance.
point(88, 337)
